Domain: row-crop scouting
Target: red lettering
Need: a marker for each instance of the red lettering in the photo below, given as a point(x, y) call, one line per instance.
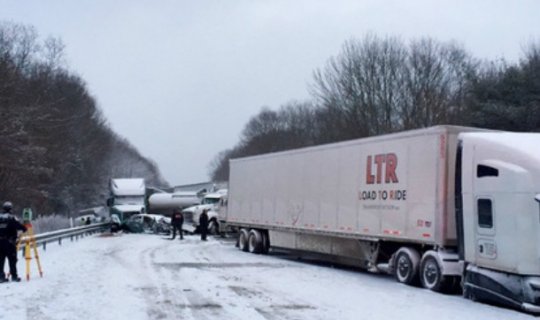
point(370, 178)
point(390, 161)
point(391, 164)
point(379, 160)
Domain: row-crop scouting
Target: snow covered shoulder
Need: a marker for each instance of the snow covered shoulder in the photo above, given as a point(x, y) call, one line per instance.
point(141, 276)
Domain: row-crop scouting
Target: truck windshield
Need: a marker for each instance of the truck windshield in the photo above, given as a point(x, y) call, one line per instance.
point(210, 200)
point(136, 200)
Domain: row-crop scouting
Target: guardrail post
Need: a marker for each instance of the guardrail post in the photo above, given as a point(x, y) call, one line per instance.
point(44, 245)
point(60, 241)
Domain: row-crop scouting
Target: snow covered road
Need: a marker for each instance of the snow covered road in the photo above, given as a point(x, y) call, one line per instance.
point(139, 276)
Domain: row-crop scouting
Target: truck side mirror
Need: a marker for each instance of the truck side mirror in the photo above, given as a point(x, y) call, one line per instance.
point(537, 198)
point(110, 202)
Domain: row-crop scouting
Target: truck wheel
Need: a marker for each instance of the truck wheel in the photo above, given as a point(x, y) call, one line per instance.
point(213, 227)
point(255, 241)
point(406, 266)
point(266, 242)
point(431, 275)
point(243, 237)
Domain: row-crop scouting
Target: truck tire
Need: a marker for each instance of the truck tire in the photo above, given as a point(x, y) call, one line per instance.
point(243, 237)
point(431, 275)
point(406, 266)
point(266, 242)
point(213, 227)
point(255, 241)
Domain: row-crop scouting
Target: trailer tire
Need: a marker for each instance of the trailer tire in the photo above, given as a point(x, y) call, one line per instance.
point(255, 241)
point(406, 266)
point(243, 237)
point(266, 242)
point(431, 275)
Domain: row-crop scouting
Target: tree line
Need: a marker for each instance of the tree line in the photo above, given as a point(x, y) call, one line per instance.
point(379, 85)
point(57, 152)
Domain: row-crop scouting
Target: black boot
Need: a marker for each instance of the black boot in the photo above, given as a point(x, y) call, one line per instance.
point(15, 279)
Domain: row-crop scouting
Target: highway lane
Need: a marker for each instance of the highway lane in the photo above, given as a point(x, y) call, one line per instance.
point(142, 276)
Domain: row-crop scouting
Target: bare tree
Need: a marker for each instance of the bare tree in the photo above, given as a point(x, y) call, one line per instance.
point(436, 75)
point(380, 85)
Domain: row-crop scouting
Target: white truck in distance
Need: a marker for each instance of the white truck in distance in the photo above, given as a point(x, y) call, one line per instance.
point(212, 202)
point(443, 206)
point(127, 197)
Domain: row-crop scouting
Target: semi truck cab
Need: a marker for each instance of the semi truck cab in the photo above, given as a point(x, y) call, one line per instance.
point(500, 217)
point(127, 197)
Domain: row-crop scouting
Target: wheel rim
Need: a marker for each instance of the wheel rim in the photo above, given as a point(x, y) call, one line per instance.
point(403, 267)
point(431, 273)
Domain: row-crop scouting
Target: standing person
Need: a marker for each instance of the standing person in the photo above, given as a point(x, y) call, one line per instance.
point(8, 239)
point(203, 224)
point(176, 222)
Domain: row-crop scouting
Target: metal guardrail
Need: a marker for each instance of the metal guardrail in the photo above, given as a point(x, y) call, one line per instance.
point(71, 233)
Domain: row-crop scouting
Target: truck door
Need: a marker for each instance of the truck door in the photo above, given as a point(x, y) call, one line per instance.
point(494, 191)
point(486, 200)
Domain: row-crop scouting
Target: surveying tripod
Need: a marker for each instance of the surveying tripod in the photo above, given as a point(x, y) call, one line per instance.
point(29, 241)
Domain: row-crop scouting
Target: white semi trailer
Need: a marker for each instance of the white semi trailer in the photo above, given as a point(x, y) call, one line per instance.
point(441, 206)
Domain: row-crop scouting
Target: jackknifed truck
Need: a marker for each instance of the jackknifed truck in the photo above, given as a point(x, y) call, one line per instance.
point(442, 207)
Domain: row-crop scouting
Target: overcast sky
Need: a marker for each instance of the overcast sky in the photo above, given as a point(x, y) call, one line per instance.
point(179, 79)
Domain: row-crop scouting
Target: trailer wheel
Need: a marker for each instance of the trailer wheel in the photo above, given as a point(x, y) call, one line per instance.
point(243, 237)
point(266, 242)
point(406, 266)
point(431, 275)
point(255, 241)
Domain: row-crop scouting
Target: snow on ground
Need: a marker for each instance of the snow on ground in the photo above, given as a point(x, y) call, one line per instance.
point(140, 276)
